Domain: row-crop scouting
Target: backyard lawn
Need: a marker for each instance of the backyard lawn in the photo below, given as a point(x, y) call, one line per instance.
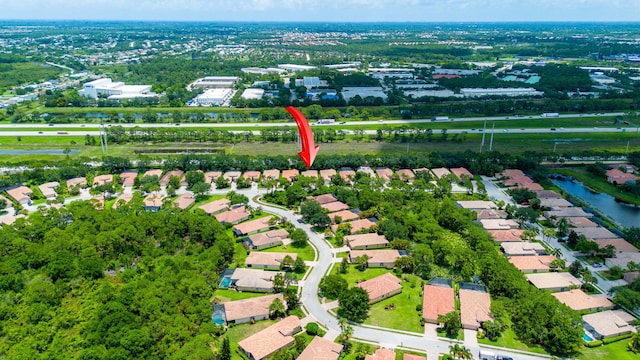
point(353, 275)
point(509, 339)
point(306, 252)
point(617, 350)
point(229, 295)
point(402, 314)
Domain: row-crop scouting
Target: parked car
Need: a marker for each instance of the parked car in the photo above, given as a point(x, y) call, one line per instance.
point(597, 265)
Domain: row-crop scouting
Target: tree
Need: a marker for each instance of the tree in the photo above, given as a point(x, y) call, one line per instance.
point(276, 309)
point(193, 178)
point(346, 330)
point(200, 189)
point(292, 299)
point(278, 283)
point(576, 268)
point(525, 214)
point(344, 266)
point(572, 239)
point(562, 228)
point(361, 262)
point(522, 195)
point(287, 263)
point(558, 264)
point(634, 343)
point(174, 182)
point(225, 352)
point(312, 329)
point(222, 183)
point(460, 352)
point(354, 304)
point(493, 329)
point(332, 286)
point(451, 323)
point(312, 213)
point(298, 237)
point(406, 264)
point(615, 272)
point(298, 265)
point(588, 278)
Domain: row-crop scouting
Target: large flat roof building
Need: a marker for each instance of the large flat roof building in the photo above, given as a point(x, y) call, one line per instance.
point(115, 90)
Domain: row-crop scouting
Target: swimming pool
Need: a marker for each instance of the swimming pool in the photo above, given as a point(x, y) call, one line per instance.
point(217, 319)
point(226, 281)
point(586, 337)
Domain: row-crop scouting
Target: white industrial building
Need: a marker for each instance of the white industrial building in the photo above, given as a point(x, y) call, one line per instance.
point(115, 90)
point(295, 67)
point(514, 92)
point(252, 94)
point(215, 82)
point(262, 71)
point(213, 97)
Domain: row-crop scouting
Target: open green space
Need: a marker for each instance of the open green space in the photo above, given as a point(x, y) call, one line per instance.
point(305, 252)
point(509, 339)
point(353, 275)
point(599, 184)
point(617, 350)
point(225, 295)
point(399, 311)
point(19, 73)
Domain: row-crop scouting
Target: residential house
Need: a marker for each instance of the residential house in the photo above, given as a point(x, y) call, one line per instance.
point(79, 182)
point(290, 174)
point(321, 349)
point(267, 260)
point(252, 175)
point(185, 200)
point(232, 176)
point(376, 258)
point(252, 280)
point(265, 239)
point(608, 323)
point(211, 176)
point(522, 248)
point(578, 300)
point(567, 212)
point(592, 233)
point(356, 225)
point(121, 200)
point(615, 176)
point(216, 206)
point(623, 259)
point(532, 264)
point(631, 276)
point(10, 219)
point(405, 175)
point(366, 241)
point(310, 173)
point(21, 194)
point(553, 281)
point(506, 235)
point(384, 173)
point(509, 173)
point(555, 203)
point(476, 204)
point(153, 172)
point(343, 215)
point(491, 214)
point(153, 202)
point(334, 206)
point(439, 173)
point(324, 198)
point(253, 226)
point(499, 224)
point(547, 194)
point(128, 178)
point(347, 175)
point(475, 306)
point(517, 180)
point(621, 245)
point(327, 174)
point(437, 299)
point(177, 173)
point(266, 342)
point(460, 172)
point(101, 180)
point(234, 216)
point(381, 287)
point(366, 170)
point(97, 202)
point(273, 174)
point(382, 354)
point(580, 222)
point(531, 186)
point(247, 310)
point(48, 190)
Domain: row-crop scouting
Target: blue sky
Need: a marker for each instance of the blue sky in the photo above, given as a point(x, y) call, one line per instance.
point(325, 10)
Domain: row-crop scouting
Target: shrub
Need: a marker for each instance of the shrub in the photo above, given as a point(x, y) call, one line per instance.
point(312, 329)
point(593, 344)
point(419, 308)
point(616, 338)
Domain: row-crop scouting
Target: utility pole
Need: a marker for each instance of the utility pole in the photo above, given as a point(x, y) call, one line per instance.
point(483, 133)
point(493, 127)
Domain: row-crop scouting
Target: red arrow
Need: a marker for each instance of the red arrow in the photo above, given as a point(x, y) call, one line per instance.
point(309, 148)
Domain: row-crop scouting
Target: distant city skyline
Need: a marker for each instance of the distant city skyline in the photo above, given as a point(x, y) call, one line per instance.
point(325, 11)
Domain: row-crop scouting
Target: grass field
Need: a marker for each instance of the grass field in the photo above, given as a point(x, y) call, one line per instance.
point(509, 339)
point(617, 350)
point(403, 316)
point(306, 252)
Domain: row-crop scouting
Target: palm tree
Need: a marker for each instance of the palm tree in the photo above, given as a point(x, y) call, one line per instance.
point(347, 330)
point(460, 352)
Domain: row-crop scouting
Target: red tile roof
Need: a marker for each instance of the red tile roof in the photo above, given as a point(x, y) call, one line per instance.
point(475, 308)
point(271, 339)
point(379, 286)
point(321, 349)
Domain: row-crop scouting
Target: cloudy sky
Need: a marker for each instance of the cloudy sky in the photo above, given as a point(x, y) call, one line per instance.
point(324, 10)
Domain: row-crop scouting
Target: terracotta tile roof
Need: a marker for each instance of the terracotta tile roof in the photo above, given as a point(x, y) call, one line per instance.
point(335, 206)
point(356, 225)
point(215, 206)
point(553, 280)
point(531, 186)
point(499, 224)
point(20, 194)
point(506, 235)
point(437, 300)
point(568, 212)
point(268, 237)
point(168, 175)
point(555, 203)
point(376, 257)
point(154, 200)
point(185, 200)
point(347, 175)
point(459, 172)
point(620, 177)
point(48, 190)
point(405, 174)
point(212, 176)
point(153, 172)
point(518, 180)
point(531, 263)
point(128, 178)
point(253, 225)
point(384, 284)
point(10, 219)
point(491, 214)
point(521, 248)
point(382, 354)
point(234, 215)
point(578, 300)
point(273, 174)
point(321, 349)
point(290, 174)
point(384, 173)
point(232, 175)
point(242, 309)
point(270, 259)
point(476, 204)
point(362, 240)
point(253, 175)
point(510, 173)
point(621, 245)
point(475, 308)
point(122, 199)
point(79, 181)
point(345, 215)
point(367, 170)
point(609, 323)
point(310, 173)
point(327, 174)
point(440, 172)
point(547, 194)
point(98, 202)
point(324, 198)
point(595, 233)
point(271, 339)
point(581, 222)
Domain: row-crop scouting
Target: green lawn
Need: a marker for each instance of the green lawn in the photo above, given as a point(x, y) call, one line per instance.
point(231, 295)
point(206, 199)
point(353, 275)
point(404, 315)
point(509, 340)
point(617, 350)
point(306, 252)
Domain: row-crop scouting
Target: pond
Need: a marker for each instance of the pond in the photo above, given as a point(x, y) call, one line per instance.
point(621, 213)
point(36, 152)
